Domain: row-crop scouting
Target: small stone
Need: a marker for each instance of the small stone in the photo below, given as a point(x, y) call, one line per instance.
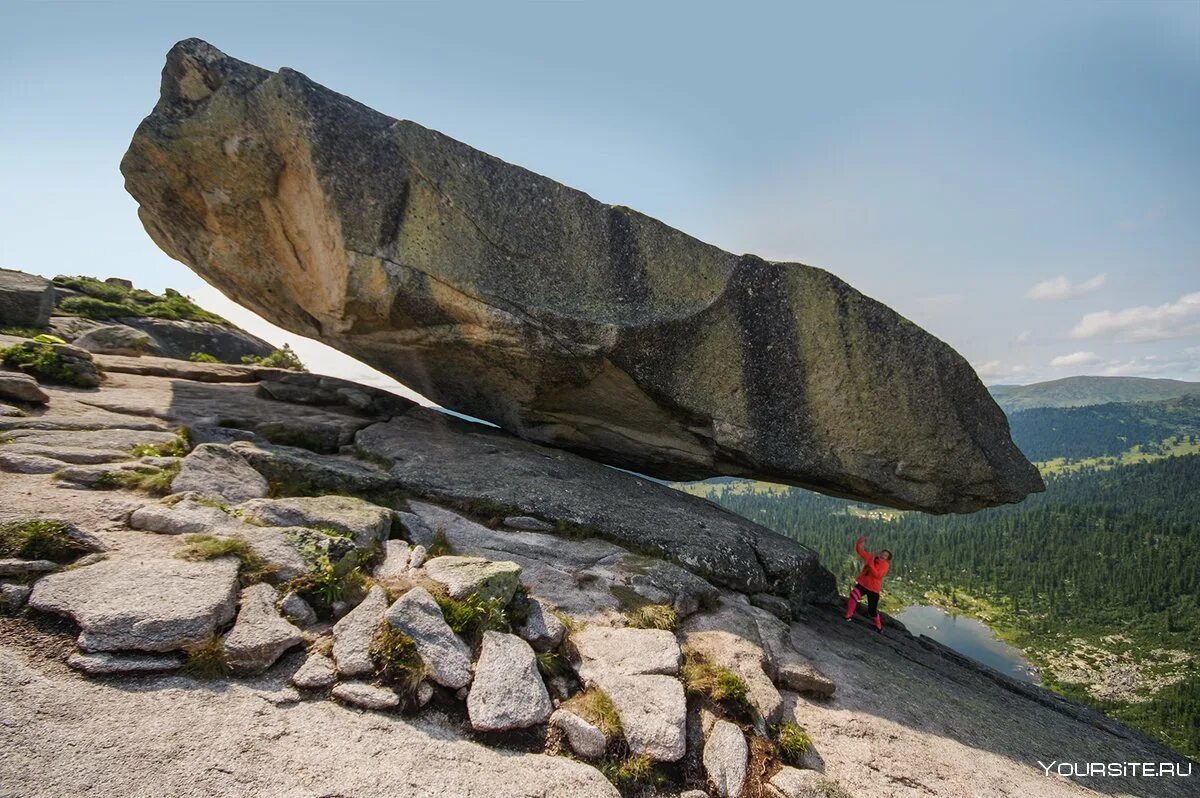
point(260, 634)
point(542, 628)
point(106, 663)
point(418, 531)
point(464, 576)
point(693, 794)
point(339, 608)
point(416, 557)
point(219, 472)
point(725, 757)
point(352, 635)
point(366, 696)
point(395, 560)
point(297, 610)
point(585, 739)
point(795, 674)
point(424, 693)
point(14, 595)
point(527, 523)
point(508, 692)
point(446, 657)
point(21, 388)
point(791, 782)
point(317, 673)
point(15, 567)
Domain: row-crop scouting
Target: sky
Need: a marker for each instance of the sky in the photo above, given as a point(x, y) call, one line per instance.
point(1022, 180)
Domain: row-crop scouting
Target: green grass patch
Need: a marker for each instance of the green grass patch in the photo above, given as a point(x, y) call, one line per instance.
point(45, 362)
point(202, 357)
point(251, 567)
point(473, 615)
point(101, 300)
point(329, 582)
point(715, 682)
point(22, 332)
point(38, 539)
point(793, 742)
point(594, 706)
point(653, 616)
point(396, 660)
point(439, 546)
point(207, 660)
point(552, 663)
point(632, 772)
point(283, 358)
point(176, 448)
point(155, 481)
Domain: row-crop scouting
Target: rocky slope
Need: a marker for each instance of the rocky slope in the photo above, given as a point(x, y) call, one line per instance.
point(370, 623)
point(506, 296)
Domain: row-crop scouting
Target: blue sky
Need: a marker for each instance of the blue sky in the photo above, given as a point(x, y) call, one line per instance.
point(1023, 180)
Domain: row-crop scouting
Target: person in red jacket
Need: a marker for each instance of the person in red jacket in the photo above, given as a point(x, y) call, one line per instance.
point(869, 582)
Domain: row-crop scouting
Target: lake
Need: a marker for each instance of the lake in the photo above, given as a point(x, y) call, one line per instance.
point(968, 637)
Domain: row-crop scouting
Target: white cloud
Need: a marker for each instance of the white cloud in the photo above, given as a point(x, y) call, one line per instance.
point(1062, 288)
point(1024, 336)
point(1076, 359)
point(994, 370)
point(1144, 323)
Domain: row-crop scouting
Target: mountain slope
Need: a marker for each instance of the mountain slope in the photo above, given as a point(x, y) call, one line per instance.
point(1082, 391)
point(1104, 430)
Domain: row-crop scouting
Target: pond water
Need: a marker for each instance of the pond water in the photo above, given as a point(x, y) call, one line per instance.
point(968, 637)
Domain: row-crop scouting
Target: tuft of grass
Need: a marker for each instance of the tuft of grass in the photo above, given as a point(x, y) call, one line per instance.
point(474, 615)
point(38, 539)
point(396, 660)
point(594, 706)
point(283, 358)
point(155, 481)
point(22, 332)
point(329, 582)
point(631, 772)
point(714, 682)
point(202, 357)
point(552, 664)
point(653, 616)
point(439, 546)
point(251, 567)
point(208, 660)
point(793, 742)
point(176, 448)
point(45, 362)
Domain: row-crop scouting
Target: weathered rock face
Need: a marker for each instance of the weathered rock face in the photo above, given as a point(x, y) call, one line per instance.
point(26, 300)
point(505, 295)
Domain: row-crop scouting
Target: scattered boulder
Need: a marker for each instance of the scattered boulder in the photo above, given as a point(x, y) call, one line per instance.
point(10, 566)
point(464, 576)
point(772, 604)
point(508, 692)
point(729, 637)
point(726, 756)
point(105, 663)
point(542, 629)
point(141, 602)
point(661, 582)
point(13, 595)
point(260, 634)
point(626, 651)
point(585, 739)
point(509, 297)
point(114, 339)
point(219, 472)
point(395, 560)
point(315, 389)
point(446, 657)
point(297, 610)
point(317, 673)
point(368, 524)
point(179, 338)
point(653, 712)
point(417, 557)
point(366, 696)
point(18, 387)
point(352, 635)
point(26, 300)
point(292, 465)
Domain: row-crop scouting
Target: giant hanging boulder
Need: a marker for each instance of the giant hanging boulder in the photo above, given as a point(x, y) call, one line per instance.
point(504, 295)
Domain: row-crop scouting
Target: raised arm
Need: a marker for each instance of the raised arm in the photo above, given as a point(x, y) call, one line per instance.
point(862, 552)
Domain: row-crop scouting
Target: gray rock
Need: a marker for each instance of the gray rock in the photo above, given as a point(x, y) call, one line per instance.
point(213, 433)
point(77, 363)
point(417, 557)
point(179, 338)
point(509, 297)
point(260, 634)
point(366, 696)
point(317, 673)
point(508, 692)
point(13, 595)
point(395, 560)
point(114, 339)
point(315, 389)
point(15, 386)
point(418, 531)
point(16, 463)
point(666, 583)
point(653, 712)
point(627, 651)
point(802, 677)
point(772, 604)
point(219, 472)
point(26, 300)
point(297, 610)
point(142, 602)
point(11, 566)
point(726, 756)
point(368, 524)
point(289, 464)
point(729, 637)
point(106, 664)
point(791, 782)
point(352, 635)
point(542, 628)
point(465, 576)
point(527, 523)
point(446, 657)
point(585, 739)
point(693, 794)
point(424, 693)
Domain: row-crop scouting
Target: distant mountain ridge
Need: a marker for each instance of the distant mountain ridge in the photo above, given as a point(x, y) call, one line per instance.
point(1084, 391)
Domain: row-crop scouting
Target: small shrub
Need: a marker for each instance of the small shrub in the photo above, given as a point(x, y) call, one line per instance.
point(396, 660)
point(328, 582)
point(594, 706)
point(103, 300)
point(207, 660)
point(43, 361)
point(474, 615)
point(202, 357)
point(38, 539)
point(90, 286)
point(439, 546)
point(251, 567)
point(176, 448)
point(653, 616)
point(630, 773)
point(793, 742)
point(715, 682)
point(283, 358)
